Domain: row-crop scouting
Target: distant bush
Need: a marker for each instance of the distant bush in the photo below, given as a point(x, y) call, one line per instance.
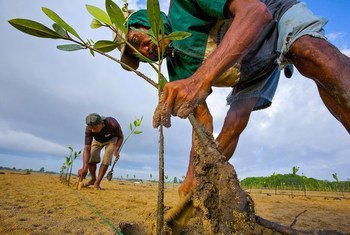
point(294, 181)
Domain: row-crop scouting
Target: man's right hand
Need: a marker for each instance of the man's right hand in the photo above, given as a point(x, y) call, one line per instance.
point(82, 172)
point(180, 98)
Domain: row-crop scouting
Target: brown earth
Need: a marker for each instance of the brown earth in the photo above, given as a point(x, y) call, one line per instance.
point(41, 204)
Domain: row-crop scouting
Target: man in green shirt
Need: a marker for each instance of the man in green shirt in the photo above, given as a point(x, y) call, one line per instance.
point(243, 44)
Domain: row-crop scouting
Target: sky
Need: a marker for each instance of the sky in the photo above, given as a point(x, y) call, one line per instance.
point(45, 95)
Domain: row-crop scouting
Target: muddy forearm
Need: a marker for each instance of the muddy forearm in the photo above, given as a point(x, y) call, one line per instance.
point(250, 17)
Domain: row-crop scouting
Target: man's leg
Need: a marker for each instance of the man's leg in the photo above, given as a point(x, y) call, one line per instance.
point(107, 160)
point(235, 122)
point(94, 159)
point(322, 62)
point(92, 170)
point(101, 173)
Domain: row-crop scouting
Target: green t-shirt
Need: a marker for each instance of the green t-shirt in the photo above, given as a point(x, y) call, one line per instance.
point(206, 21)
point(197, 17)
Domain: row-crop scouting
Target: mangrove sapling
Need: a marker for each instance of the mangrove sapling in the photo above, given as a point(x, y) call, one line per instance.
point(63, 167)
point(69, 162)
point(133, 131)
point(211, 168)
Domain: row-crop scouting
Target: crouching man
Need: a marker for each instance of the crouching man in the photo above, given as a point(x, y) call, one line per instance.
point(101, 132)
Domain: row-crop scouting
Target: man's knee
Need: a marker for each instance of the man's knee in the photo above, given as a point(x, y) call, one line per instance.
point(309, 53)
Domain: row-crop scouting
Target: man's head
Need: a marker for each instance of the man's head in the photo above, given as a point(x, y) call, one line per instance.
point(95, 122)
point(139, 40)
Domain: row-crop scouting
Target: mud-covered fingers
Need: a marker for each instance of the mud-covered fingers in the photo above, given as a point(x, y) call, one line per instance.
point(167, 101)
point(185, 109)
point(162, 113)
point(157, 116)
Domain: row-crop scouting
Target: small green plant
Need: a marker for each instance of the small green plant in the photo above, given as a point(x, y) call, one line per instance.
point(295, 169)
point(133, 131)
point(63, 167)
point(69, 163)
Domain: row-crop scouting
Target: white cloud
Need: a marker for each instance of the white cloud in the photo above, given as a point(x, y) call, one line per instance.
point(19, 141)
point(338, 39)
point(335, 36)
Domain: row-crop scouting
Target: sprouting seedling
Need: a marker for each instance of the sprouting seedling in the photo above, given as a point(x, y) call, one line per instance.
point(295, 170)
point(335, 176)
point(69, 162)
point(133, 131)
point(63, 167)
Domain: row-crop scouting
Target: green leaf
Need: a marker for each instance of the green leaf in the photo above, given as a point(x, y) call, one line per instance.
point(153, 38)
point(34, 28)
point(105, 46)
point(139, 121)
point(142, 57)
point(99, 14)
point(156, 22)
point(130, 126)
point(154, 17)
point(135, 123)
point(116, 15)
point(61, 31)
point(92, 52)
point(95, 24)
point(70, 148)
point(70, 47)
point(137, 132)
point(56, 18)
point(176, 36)
point(162, 82)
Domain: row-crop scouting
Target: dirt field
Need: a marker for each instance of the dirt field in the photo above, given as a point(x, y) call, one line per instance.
point(40, 204)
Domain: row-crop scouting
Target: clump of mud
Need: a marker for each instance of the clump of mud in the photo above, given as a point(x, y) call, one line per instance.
point(224, 206)
point(132, 228)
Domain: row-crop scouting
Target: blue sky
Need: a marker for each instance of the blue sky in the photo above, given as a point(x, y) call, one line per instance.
point(45, 95)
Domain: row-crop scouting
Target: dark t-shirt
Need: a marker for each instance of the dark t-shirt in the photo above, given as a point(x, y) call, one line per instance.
point(110, 130)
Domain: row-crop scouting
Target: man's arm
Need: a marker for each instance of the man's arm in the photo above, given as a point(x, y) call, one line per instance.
point(86, 156)
point(120, 136)
point(119, 143)
point(181, 97)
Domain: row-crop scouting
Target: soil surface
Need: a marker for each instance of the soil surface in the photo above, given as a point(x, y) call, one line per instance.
point(41, 204)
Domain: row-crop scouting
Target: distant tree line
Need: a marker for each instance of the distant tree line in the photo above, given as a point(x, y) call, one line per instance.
point(294, 181)
point(41, 170)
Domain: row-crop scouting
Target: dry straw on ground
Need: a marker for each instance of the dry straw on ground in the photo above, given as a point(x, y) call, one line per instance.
point(40, 204)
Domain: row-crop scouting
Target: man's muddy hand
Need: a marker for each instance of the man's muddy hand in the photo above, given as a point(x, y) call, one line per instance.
point(180, 98)
point(82, 173)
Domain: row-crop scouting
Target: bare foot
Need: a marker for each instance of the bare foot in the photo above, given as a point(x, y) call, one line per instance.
point(91, 182)
point(98, 187)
